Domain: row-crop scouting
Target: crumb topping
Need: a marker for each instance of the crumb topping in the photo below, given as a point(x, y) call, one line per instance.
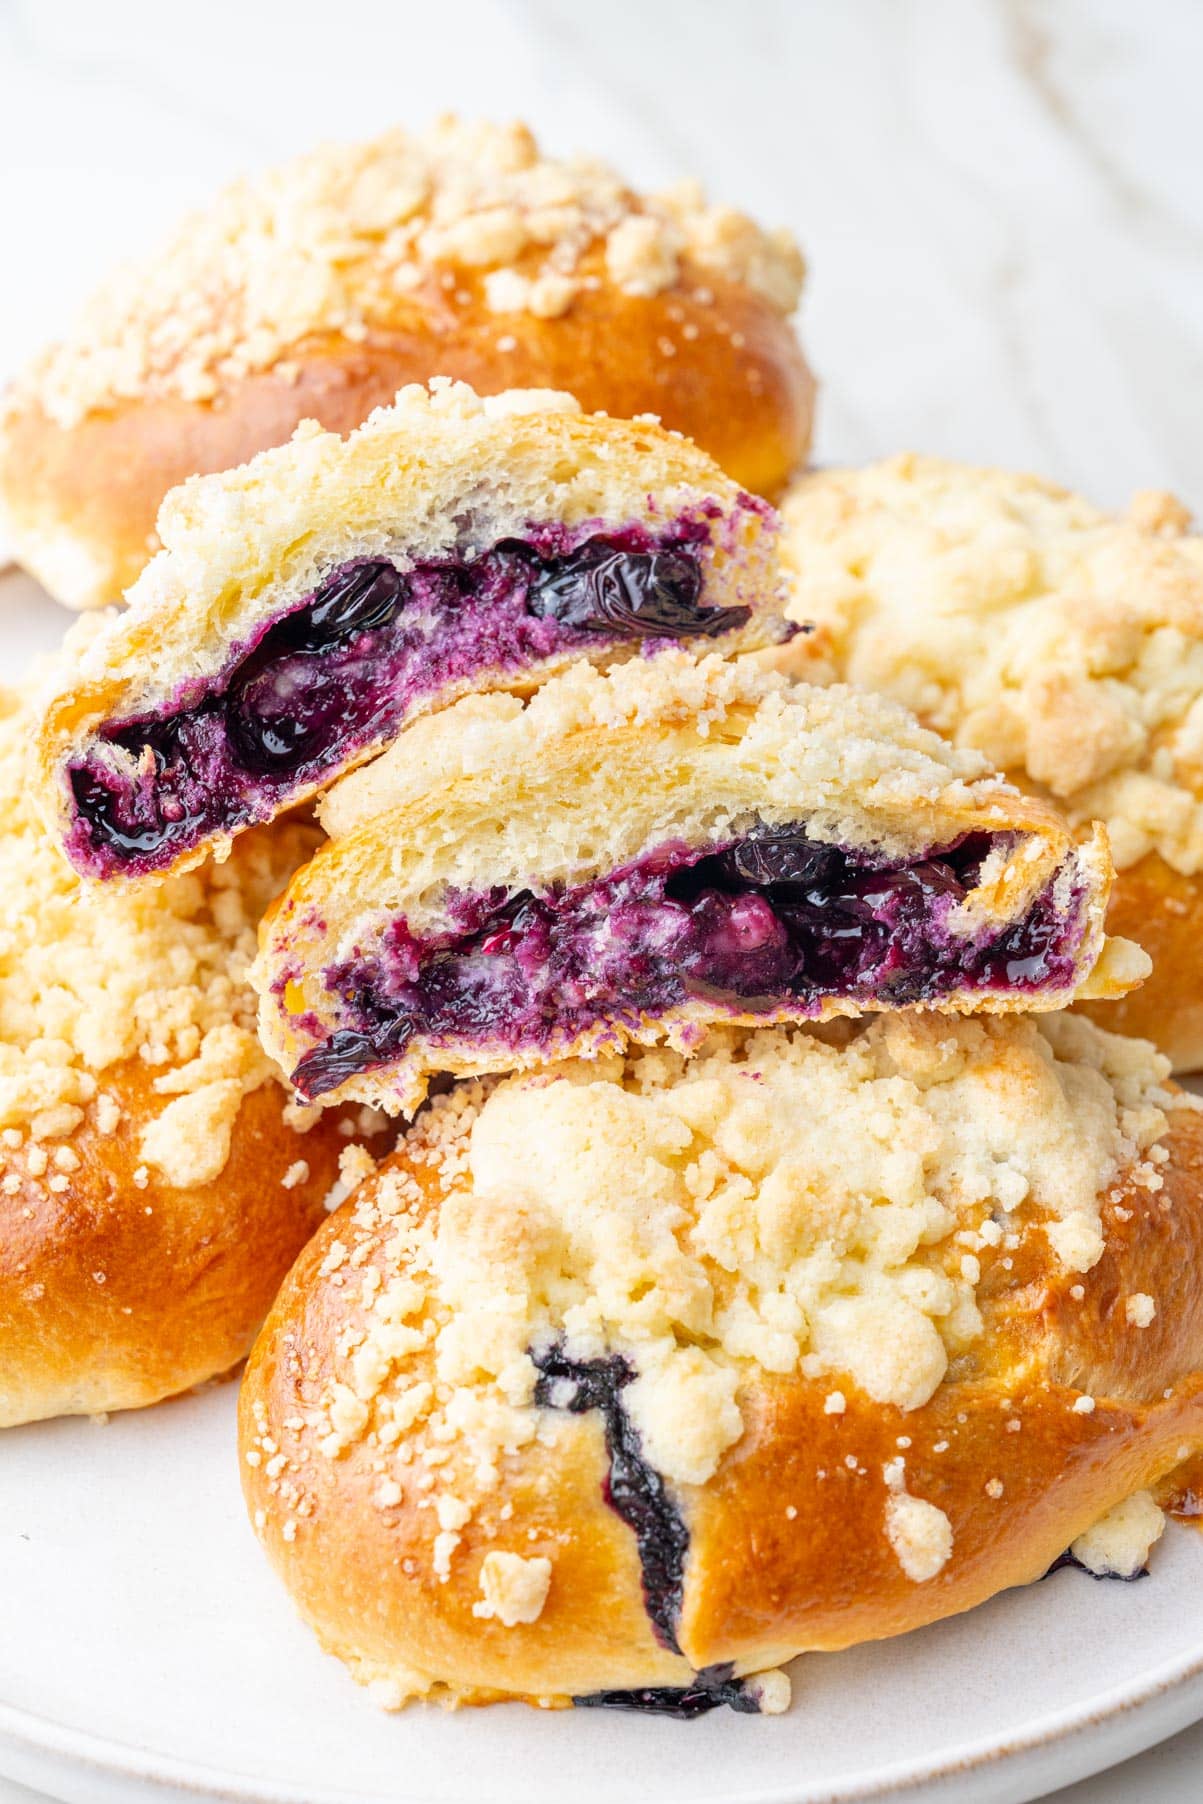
point(93, 977)
point(334, 241)
point(829, 747)
point(919, 1532)
point(1120, 1544)
point(699, 1217)
point(1065, 643)
point(512, 1589)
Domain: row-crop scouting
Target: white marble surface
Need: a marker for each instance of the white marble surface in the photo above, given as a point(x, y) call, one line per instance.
point(1000, 201)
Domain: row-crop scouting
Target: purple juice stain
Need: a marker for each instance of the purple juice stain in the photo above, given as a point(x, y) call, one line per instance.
point(344, 668)
point(711, 1689)
point(770, 921)
point(633, 1489)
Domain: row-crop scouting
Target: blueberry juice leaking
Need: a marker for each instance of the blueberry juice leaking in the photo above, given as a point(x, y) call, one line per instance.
point(637, 1493)
point(771, 924)
point(345, 667)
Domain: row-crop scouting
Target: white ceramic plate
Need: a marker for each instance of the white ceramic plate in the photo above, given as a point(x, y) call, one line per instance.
point(146, 1650)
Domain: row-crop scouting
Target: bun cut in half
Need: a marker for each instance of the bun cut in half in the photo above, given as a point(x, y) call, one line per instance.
point(623, 1383)
point(635, 857)
point(307, 607)
point(317, 290)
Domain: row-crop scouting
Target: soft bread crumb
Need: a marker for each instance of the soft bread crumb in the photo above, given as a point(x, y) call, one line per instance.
point(331, 240)
point(1121, 1542)
point(1064, 642)
point(440, 472)
point(513, 1589)
point(832, 740)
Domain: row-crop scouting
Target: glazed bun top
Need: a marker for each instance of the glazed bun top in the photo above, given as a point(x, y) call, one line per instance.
point(1064, 642)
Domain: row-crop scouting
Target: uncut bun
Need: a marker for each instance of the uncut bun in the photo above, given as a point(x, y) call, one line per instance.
point(887, 1327)
point(122, 1288)
point(509, 884)
point(155, 1180)
point(317, 290)
point(1065, 642)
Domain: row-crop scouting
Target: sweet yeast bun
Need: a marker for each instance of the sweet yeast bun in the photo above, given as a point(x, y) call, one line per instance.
point(640, 1376)
point(155, 1180)
point(1065, 642)
point(317, 290)
point(639, 855)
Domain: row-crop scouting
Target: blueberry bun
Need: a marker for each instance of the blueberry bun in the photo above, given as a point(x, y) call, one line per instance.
point(306, 607)
point(634, 856)
point(156, 1179)
point(316, 290)
point(624, 1382)
point(1064, 642)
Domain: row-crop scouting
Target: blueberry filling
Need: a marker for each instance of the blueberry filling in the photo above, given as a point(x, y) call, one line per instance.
point(345, 667)
point(713, 1687)
point(769, 921)
point(633, 1489)
point(649, 596)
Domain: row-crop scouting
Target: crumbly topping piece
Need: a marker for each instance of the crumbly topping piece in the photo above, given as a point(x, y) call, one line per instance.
point(774, 1204)
point(1064, 642)
point(920, 1534)
point(1120, 1544)
point(335, 240)
point(91, 977)
point(1140, 1309)
point(512, 1589)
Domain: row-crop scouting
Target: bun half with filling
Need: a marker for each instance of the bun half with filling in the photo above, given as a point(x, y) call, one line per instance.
point(307, 607)
point(635, 857)
point(624, 1382)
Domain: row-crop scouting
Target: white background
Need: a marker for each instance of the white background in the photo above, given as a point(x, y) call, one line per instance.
point(1001, 204)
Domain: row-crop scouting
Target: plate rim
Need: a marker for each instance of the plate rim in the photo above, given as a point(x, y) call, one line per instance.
point(1177, 1687)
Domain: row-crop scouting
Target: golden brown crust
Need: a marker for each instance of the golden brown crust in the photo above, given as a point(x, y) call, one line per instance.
point(1065, 642)
point(351, 1581)
point(81, 499)
point(118, 1288)
point(1161, 910)
point(1065, 1402)
point(1059, 1472)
